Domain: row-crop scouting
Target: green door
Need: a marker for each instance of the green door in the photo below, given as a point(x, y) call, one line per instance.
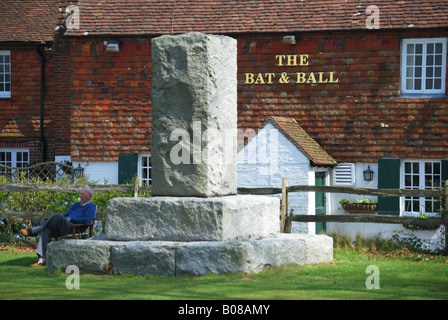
point(320, 201)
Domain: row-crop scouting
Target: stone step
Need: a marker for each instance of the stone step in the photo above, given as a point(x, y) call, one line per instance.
point(192, 219)
point(143, 258)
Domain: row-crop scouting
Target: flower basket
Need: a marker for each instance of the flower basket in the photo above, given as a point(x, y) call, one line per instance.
point(360, 208)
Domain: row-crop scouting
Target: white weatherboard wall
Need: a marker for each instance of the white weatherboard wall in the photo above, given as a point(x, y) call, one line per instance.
point(429, 239)
point(103, 172)
point(269, 157)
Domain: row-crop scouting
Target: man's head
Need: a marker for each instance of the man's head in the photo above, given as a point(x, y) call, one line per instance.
point(86, 194)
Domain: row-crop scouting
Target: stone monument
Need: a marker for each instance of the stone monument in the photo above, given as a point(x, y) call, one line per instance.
point(195, 223)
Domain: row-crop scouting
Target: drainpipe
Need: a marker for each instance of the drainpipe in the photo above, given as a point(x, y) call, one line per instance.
point(42, 104)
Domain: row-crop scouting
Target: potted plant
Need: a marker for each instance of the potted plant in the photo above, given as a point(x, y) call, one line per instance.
point(419, 226)
point(364, 206)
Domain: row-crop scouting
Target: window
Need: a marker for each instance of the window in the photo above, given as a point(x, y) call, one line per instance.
point(5, 74)
point(423, 66)
point(13, 158)
point(422, 175)
point(145, 169)
point(343, 174)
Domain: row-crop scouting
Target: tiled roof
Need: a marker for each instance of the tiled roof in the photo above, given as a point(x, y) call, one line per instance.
point(138, 17)
point(28, 20)
point(309, 147)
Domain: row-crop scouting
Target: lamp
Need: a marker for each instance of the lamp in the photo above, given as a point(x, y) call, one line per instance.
point(78, 172)
point(289, 39)
point(113, 46)
point(368, 174)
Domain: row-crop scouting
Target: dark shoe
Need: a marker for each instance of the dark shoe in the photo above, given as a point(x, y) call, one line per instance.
point(39, 263)
point(27, 233)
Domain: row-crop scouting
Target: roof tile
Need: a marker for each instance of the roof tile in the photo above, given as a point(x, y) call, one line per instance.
point(118, 17)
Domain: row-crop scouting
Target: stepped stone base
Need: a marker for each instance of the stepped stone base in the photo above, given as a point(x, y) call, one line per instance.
point(192, 219)
point(142, 258)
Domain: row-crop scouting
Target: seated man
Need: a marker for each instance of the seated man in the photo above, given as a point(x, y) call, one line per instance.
point(59, 225)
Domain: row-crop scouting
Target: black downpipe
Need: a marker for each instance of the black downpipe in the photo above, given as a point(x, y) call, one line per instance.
point(42, 105)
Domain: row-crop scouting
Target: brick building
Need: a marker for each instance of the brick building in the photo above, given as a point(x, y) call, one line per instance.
point(34, 84)
point(367, 81)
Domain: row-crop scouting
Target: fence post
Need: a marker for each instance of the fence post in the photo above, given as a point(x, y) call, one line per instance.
point(445, 216)
point(284, 206)
point(138, 181)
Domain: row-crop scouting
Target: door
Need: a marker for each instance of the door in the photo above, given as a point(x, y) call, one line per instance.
point(320, 200)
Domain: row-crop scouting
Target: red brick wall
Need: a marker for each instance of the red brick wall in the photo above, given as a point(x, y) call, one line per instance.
point(110, 99)
point(358, 119)
point(20, 115)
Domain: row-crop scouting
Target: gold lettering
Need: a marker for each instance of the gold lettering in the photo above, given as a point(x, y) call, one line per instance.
point(321, 76)
point(311, 78)
point(280, 60)
point(304, 60)
point(301, 77)
point(270, 76)
point(331, 78)
point(249, 78)
point(259, 79)
point(292, 60)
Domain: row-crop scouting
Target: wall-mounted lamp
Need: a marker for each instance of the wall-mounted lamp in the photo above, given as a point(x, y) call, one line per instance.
point(289, 40)
point(113, 46)
point(78, 172)
point(368, 174)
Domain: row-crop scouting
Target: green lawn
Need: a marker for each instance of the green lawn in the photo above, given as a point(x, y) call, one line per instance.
point(401, 277)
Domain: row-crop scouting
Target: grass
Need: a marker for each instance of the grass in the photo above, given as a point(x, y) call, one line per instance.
point(403, 275)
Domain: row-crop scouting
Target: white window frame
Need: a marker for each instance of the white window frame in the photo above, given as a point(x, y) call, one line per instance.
point(14, 162)
point(344, 174)
point(404, 66)
point(146, 179)
point(406, 202)
point(5, 73)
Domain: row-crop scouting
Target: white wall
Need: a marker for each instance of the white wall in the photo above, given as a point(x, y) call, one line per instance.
point(268, 158)
point(103, 172)
point(430, 239)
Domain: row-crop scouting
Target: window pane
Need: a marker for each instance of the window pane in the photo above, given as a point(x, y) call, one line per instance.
point(438, 60)
point(415, 181)
point(407, 167)
point(430, 72)
point(438, 71)
point(418, 60)
point(430, 60)
point(418, 72)
point(418, 84)
point(439, 48)
point(410, 60)
point(419, 48)
point(437, 84)
point(409, 72)
point(409, 84)
point(410, 48)
point(430, 48)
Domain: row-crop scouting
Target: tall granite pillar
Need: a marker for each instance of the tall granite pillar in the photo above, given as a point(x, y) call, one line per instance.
point(194, 115)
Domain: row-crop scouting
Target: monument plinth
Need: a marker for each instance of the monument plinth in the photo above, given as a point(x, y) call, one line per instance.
point(194, 223)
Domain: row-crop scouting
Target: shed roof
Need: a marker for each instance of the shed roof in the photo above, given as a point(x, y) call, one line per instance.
point(154, 17)
point(304, 142)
